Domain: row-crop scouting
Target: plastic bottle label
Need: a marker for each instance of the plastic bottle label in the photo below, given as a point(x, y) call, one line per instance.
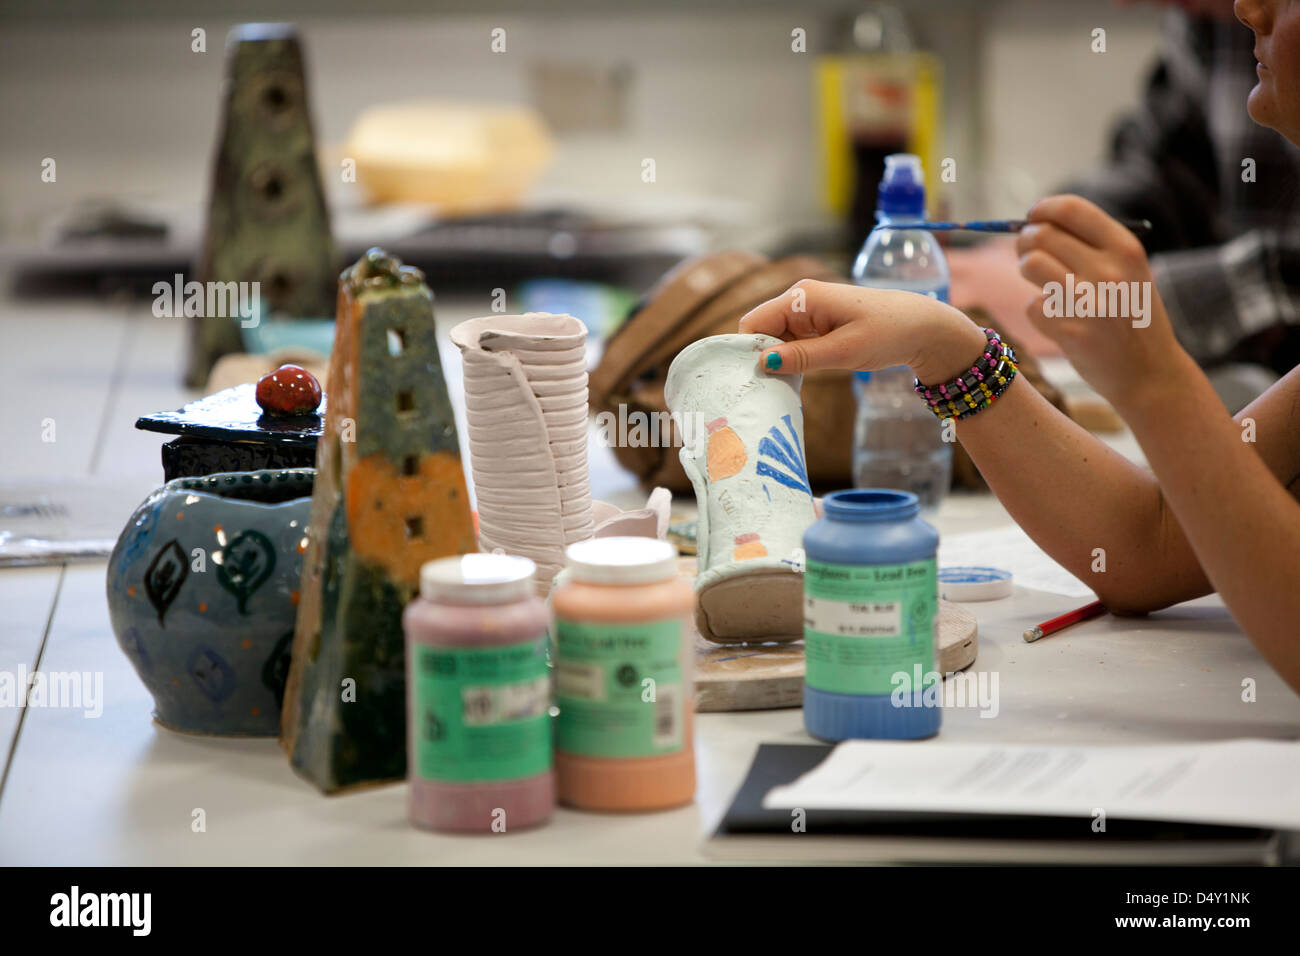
point(482, 713)
point(620, 688)
point(865, 623)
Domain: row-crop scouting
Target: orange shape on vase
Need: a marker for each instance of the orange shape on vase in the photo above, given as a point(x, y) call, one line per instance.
point(748, 546)
point(726, 452)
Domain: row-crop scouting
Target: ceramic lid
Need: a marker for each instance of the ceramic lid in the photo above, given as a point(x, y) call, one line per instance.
point(477, 579)
point(234, 415)
point(622, 560)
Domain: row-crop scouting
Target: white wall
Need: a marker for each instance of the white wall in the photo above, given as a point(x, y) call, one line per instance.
point(1048, 100)
point(717, 99)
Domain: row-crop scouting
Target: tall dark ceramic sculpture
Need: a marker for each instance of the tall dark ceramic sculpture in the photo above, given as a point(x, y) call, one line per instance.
point(390, 495)
point(266, 211)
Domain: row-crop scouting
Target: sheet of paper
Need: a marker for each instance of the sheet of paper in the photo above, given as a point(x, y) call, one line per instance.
point(50, 522)
point(1012, 550)
point(1238, 782)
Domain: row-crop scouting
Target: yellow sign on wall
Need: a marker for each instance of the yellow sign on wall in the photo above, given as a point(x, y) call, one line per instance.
point(886, 102)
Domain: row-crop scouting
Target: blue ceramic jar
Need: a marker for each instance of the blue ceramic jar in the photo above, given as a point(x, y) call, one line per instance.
point(203, 591)
point(871, 605)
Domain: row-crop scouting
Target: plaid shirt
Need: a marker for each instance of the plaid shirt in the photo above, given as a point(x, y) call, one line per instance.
point(1226, 252)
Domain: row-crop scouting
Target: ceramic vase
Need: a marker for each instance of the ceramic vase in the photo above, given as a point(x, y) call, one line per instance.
point(743, 451)
point(202, 594)
point(390, 495)
point(267, 221)
point(526, 408)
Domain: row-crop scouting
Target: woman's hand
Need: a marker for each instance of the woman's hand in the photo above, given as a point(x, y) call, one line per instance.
point(835, 325)
point(1098, 300)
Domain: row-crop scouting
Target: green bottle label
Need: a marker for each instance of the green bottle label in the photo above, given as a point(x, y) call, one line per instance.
point(619, 688)
point(482, 713)
point(865, 623)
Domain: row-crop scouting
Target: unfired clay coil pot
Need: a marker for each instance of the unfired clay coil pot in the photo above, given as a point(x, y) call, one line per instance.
point(526, 407)
point(744, 454)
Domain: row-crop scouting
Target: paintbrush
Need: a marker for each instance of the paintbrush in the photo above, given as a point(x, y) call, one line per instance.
point(1137, 226)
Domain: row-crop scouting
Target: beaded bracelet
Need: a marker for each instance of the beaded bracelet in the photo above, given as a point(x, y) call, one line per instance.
point(977, 389)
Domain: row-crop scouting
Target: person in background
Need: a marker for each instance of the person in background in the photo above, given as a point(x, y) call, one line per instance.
point(1220, 508)
point(1226, 237)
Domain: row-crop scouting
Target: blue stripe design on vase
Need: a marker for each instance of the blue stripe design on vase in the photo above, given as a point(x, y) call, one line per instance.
point(790, 469)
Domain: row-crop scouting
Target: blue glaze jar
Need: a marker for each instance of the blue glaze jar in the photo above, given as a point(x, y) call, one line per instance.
point(871, 604)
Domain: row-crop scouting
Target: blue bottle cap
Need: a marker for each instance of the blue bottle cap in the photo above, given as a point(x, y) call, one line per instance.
point(902, 188)
point(974, 583)
point(871, 504)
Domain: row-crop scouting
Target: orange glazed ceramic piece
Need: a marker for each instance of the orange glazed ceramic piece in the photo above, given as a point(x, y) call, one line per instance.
point(390, 494)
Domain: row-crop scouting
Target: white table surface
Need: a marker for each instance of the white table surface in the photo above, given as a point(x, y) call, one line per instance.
point(118, 789)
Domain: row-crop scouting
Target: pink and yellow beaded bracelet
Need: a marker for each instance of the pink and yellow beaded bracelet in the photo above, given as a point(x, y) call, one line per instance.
point(977, 388)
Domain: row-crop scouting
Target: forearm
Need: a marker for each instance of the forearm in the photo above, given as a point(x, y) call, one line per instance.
point(1071, 493)
point(1095, 512)
point(1239, 519)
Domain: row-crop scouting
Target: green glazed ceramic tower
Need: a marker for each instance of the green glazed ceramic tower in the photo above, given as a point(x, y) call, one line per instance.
point(267, 221)
point(390, 496)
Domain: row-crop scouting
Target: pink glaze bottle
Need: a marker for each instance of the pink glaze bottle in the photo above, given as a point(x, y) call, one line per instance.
point(479, 744)
point(624, 677)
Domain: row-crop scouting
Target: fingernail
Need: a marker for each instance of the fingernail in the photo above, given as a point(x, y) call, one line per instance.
point(773, 361)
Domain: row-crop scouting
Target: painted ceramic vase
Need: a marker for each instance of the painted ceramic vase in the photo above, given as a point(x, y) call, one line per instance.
point(743, 450)
point(203, 591)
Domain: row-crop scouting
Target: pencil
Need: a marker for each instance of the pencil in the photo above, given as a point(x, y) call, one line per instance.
point(1065, 620)
point(1137, 226)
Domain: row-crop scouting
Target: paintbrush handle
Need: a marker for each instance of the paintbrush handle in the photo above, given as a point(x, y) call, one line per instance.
point(1136, 226)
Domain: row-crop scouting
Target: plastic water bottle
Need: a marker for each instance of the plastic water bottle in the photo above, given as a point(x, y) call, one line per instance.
point(898, 443)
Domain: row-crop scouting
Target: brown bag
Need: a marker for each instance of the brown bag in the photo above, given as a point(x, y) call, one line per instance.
point(707, 296)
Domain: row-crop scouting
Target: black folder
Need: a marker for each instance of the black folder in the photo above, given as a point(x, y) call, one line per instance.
point(750, 832)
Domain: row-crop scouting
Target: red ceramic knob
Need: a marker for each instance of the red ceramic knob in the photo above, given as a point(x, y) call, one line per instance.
point(289, 390)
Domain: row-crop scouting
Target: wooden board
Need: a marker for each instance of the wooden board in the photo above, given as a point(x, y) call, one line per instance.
point(770, 676)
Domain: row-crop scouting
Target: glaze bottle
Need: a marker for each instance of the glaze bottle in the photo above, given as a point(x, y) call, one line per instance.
point(870, 618)
point(624, 682)
point(479, 729)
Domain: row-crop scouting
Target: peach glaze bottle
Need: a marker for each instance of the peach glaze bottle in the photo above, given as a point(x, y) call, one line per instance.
point(624, 677)
point(479, 727)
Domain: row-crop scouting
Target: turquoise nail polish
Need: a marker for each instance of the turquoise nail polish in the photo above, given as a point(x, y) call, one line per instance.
point(773, 361)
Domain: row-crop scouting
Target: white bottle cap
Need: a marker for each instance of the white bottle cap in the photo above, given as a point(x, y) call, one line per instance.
point(622, 560)
point(477, 579)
